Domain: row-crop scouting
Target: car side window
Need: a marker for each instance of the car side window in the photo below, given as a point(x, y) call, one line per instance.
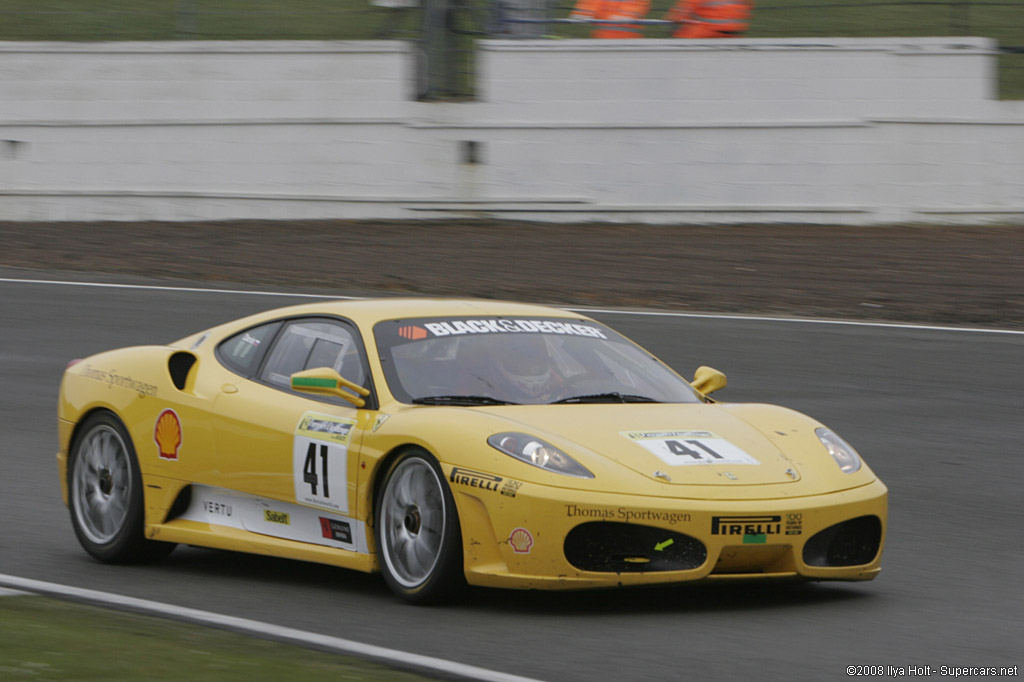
point(307, 344)
point(242, 352)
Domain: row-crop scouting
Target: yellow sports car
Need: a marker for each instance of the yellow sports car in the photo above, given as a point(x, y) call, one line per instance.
point(442, 442)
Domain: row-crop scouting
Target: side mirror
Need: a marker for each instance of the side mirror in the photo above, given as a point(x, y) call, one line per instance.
point(325, 381)
point(708, 380)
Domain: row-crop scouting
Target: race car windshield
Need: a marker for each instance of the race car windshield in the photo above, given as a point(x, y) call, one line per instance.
point(512, 360)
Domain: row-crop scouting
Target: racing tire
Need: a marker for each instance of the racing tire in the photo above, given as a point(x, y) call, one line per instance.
point(105, 494)
point(419, 540)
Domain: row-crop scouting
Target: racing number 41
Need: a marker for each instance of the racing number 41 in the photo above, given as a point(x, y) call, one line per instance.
point(678, 448)
point(309, 474)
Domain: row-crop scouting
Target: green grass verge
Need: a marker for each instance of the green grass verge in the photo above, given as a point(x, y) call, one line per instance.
point(44, 639)
point(90, 20)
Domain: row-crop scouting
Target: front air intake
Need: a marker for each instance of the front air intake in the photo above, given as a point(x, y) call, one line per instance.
point(850, 543)
point(611, 547)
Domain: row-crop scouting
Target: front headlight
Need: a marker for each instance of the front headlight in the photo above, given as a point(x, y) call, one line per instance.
point(534, 451)
point(842, 452)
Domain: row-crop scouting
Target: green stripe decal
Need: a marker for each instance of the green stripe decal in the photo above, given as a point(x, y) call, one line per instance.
point(309, 382)
point(755, 539)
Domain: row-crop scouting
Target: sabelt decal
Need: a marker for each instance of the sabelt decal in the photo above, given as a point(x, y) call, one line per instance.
point(503, 325)
point(689, 448)
point(521, 540)
point(320, 461)
point(167, 434)
point(626, 515)
point(220, 507)
point(274, 516)
point(752, 529)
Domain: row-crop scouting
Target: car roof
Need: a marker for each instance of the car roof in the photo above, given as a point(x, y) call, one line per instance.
point(368, 312)
point(371, 311)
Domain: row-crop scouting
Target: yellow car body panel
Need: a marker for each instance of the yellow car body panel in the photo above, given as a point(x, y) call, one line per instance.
point(234, 463)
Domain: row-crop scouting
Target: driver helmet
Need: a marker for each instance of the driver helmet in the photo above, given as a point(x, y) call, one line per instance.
point(525, 364)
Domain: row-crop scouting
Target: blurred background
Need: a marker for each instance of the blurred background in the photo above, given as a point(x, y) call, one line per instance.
point(464, 21)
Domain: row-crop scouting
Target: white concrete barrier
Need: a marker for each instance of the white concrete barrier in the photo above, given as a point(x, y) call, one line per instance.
point(854, 131)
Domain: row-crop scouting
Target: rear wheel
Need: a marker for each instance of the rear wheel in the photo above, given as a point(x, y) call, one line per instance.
point(418, 536)
point(105, 491)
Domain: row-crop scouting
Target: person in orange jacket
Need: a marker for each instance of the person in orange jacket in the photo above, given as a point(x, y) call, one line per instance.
point(710, 18)
point(612, 10)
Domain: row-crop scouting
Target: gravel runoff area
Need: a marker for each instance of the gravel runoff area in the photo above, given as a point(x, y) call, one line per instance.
point(958, 276)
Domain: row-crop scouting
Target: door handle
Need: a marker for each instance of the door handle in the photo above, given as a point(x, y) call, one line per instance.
point(229, 388)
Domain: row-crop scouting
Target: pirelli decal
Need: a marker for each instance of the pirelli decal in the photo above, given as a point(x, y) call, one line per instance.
point(490, 482)
point(754, 530)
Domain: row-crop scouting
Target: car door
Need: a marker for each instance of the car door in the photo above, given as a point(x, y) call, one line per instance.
point(296, 453)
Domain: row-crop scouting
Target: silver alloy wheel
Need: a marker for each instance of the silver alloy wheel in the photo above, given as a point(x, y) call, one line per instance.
point(413, 522)
point(101, 484)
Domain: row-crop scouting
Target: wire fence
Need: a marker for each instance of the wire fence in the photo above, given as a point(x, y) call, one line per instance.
point(444, 31)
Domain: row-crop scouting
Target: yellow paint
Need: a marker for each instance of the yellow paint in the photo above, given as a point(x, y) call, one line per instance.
point(239, 435)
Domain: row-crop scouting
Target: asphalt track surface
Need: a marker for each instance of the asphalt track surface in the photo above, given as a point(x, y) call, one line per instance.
point(937, 414)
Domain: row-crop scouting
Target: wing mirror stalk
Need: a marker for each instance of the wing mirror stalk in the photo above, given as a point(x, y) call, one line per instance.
point(325, 381)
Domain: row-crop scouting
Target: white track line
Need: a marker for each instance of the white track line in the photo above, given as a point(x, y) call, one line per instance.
point(801, 320)
point(266, 630)
point(154, 287)
point(603, 311)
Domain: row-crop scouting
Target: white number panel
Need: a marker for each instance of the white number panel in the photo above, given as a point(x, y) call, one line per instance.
point(320, 461)
point(688, 448)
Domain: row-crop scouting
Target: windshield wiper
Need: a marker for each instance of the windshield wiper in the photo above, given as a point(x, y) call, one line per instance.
point(460, 400)
point(612, 397)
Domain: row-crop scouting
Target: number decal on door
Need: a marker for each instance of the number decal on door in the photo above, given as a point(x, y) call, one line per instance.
point(320, 461)
point(309, 469)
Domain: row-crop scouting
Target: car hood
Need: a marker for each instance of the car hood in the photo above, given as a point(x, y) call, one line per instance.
point(678, 444)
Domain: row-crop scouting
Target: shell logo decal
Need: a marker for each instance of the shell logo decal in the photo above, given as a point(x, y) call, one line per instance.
point(167, 434)
point(521, 541)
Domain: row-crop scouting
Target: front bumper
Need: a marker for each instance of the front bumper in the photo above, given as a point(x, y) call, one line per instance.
point(540, 537)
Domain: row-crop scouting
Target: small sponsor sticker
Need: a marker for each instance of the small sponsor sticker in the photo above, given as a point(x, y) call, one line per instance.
point(273, 516)
point(521, 540)
point(325, 427)
point(217, 508)
point(510, 488)
point(412, 332)
point(333, 529)
point(167, 434)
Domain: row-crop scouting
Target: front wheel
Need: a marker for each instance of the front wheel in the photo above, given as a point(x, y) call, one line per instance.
point(418, 536)
point(105, 490)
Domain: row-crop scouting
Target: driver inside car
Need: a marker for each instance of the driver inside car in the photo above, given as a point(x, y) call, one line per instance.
point(516, 368)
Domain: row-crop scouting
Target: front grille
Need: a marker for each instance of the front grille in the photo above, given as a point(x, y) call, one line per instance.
point(850, 543)
point(611, 547)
